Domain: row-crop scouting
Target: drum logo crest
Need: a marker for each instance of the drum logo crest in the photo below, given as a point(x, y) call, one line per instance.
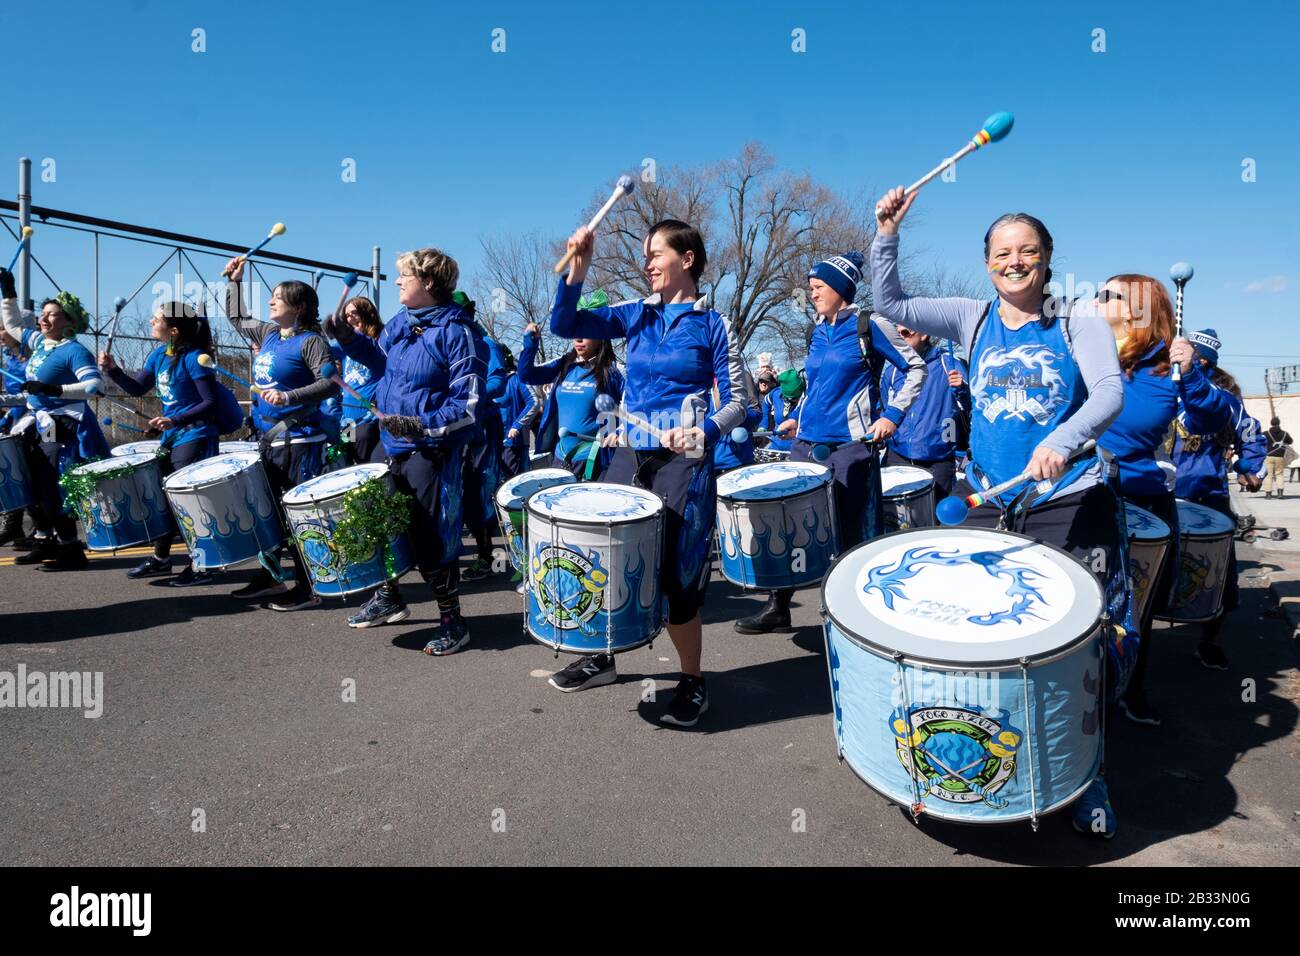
point(957, 754)
point(569, 586)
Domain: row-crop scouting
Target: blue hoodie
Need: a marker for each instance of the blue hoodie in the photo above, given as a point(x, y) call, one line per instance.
point(515, 405)
point(674, 356)
point(838, 405)
point(928, 432)
point(531, 374)
point(433, 366)
point(1202, 462)
point(1136, 438)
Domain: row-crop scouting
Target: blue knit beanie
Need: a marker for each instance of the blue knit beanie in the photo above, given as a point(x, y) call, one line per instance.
point(841, 273)
point(1207, 344)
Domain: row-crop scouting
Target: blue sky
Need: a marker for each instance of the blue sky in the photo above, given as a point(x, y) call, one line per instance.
point(1133, 156)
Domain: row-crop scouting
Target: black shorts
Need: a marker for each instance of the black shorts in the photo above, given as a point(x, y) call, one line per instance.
point(432, 476)
point(687, 488)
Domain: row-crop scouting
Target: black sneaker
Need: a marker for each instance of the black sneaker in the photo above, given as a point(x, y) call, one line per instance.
point(42, 549)
point(189, 578)
point(68, 556)
point(775, 617)
point(453, 634)
point(151, 567)
point(382, 608)
point(1138, 709)
point(591, 671)
point(690, 700)
point(476, 570)
point(262, 585)
point(298, 599)
point(1212, 656)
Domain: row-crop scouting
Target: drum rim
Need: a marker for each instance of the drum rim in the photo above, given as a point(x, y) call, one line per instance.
point(312, 500)
point(1231, 529)
point(118, 460)
point(827, 477)
point(929, 477)
point(519, 478)
point(655, 515)
point(888, 653)
point(186, 486)
point(825, 489)
point(908, 496)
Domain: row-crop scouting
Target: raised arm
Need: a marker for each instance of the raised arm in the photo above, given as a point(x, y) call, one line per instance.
point(529, 372)
point(953, 318)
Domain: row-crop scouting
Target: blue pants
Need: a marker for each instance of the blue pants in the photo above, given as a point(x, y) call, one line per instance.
point(432, 476)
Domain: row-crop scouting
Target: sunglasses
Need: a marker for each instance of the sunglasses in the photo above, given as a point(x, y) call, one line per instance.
point(1106, 295)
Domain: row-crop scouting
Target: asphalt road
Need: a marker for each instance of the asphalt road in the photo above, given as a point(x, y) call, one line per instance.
point(214, 705)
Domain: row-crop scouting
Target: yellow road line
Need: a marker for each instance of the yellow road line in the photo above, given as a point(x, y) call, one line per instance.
point(96, 555)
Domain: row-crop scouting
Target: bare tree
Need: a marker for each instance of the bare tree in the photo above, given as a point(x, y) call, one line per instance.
point(516, 288)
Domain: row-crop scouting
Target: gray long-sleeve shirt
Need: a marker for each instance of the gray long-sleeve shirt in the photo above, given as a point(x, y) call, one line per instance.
point(1091, 343)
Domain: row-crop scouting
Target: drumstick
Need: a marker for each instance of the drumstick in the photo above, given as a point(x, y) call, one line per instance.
point(1181, 273)
point(131, 428)
point(995, 128)
point(349, 281)
point(331, 373)
point(128, 408)
point(206, 361)
point(118, 305)
point(623, 187)
point(277, 230)
point(24, 241)
point(953, 510)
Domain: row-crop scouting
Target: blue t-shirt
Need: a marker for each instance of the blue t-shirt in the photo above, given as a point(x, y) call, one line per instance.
point(365, 382)
point(65, 362)
point(279, 365)
point(177, 392)
point(575, 400)
point(1023, 384)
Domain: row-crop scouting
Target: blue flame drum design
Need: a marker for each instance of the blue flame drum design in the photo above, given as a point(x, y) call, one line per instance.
point(1148, 549)
point(15, 483)
point(1204, 548)
point(315, 508)
point(149, 446)
point(125, 509)
point(225, 510)
point(908, 497)
point(966, 672)
point(510, 500)
point(592, 582)
point(776, 525)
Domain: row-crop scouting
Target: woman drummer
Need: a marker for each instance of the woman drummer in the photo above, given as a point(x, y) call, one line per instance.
point(290, 386)
point(59, 429)
point(677, 347)
point(188, 394)
point(1043, 383)
point(578, 379)
point(838, 415)
point(362, 316)
point(1141, 318)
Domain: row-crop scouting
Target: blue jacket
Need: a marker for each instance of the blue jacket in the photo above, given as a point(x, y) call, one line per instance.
point(1201, 459)
point(728, 453)
point(841, 399)
point(671, 364)
point(928, 430)
point(515, 406)
point(1136, 438)
point(548, 374)
point(433, 366)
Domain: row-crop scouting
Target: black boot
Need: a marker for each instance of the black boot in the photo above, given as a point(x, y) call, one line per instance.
point(775, 616)
point(13, 527)
point(69, 556)
point(43, 550)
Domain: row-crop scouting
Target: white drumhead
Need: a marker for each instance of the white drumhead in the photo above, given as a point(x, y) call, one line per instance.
point(897, 481)
point(773, 479)
point(210, 469)
point(520, 488)
point(962, 596)
point(136, 448)
point(334, 483)
point(596, 502)
point(226, 447)
point(1143, 525)
point(1198, 519)
point(109, 464)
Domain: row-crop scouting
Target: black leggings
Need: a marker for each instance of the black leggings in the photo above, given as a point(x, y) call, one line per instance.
point(43, 466)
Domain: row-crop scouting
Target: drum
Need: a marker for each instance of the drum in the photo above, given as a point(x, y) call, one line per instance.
point(909, 497)
point(314, 509)
point(966, 671)
point(1148, 547)
point(510, 501)
point(147, 447)
point(539, 460)
point(127, 506)
point(15, 483)
point(227, 447)
point(1204, 549)
point(776, 525)
point(593, 571)
point(225, 510)
point(764, 455)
